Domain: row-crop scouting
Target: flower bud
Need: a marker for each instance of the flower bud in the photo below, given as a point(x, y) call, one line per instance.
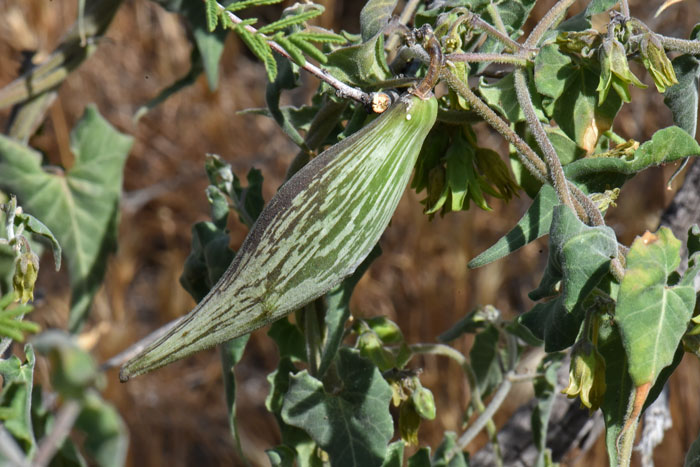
point(657, 63)
point(26, 271)
point(586, 375)
point(615, 71)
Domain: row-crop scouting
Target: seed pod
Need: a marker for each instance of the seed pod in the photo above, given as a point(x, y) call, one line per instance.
point(315, 231)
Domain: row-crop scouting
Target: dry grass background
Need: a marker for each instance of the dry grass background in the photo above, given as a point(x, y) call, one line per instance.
point(176, 416)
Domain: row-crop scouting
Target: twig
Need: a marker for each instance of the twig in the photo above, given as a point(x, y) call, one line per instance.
point(484, 418)
point(342, 89)
point(61, 428)
point(547, 21)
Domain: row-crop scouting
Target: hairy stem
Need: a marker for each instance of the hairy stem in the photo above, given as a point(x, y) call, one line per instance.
point(549, 20)
point(527, 156)
point(625, 8)
point(342, 88)
point(680, 45)
point(556, 171)
point(475, 21)
point(487, 57)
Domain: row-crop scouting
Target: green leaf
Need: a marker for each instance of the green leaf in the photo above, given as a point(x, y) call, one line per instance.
point(375, 15)
point(35, 226)
point(652, 315)
point(292, 20)
point(80, 206)
point(692, 458)
point(486, 361)
point(16, 398)
point(243, 4)
point(473, 322)
point(421, 458)
point(338, 311)
point(289, 339)
point(619, 388)
point(362, 64)
point(352, 424)
point(666, 145)
point(501, 96)
point(212, 10)
point(394, 454)
point(281, 456)
point(577, 111)
point(231, 354)
point(294, 438)
point(552, 70)
point(209, 43)
point(248, 201)
point(440, 456)
point(682, 98)
point(286, 78)
point(259, 46)
point(106, 435)
point(73, 370)
point(535, 223)
point(579, 257)
point(599, 6)
point(208, 259)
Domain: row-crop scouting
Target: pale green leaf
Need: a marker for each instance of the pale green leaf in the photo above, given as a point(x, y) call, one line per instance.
point(243, 4)
point(292, 20)
point(501, 96)
point(16, 398)
point(599, 6)
point(652, 316)
point(362, 65)
point(682, 98)
point(80, 206)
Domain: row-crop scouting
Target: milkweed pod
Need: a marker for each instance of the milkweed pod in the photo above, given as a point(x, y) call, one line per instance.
point(314, 232)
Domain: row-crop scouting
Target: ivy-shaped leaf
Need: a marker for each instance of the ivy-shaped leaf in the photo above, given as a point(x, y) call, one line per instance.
point(652, 314)
point(579, 257)
point(352, 424)
point(80, 206)
point(501, 96)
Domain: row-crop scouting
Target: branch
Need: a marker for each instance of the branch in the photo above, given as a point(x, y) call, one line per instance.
point(343, 90)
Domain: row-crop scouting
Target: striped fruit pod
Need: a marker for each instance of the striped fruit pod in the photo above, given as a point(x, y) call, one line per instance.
point(313, 233)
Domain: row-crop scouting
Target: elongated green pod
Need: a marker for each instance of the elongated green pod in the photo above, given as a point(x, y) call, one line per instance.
point(314, 232)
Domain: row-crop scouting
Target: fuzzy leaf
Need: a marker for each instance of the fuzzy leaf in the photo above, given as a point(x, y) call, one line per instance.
point(362, 65)
point(599, 6)
point(501, 96)
point(579, 257)
point(352, 425)
point(486, 360)
point(552, 70)
point(682, 98)
point(652, 315)
point(106, 435)
point(80, 206)
point(292, 20)
point(375, 15)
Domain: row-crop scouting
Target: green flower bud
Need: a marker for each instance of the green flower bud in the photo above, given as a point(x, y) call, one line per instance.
point(586, 375)
point(371, 348)
point(424, 402)
point(655, 60)
point(615, 71)
point(26, 271)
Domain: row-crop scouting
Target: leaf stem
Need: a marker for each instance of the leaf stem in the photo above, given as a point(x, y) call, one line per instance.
point(475, 21)
point(62, 427)
point(342, 89)
point(547, 22)
point(556, 171)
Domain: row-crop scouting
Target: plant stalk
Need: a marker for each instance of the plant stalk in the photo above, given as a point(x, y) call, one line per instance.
point(547, 22)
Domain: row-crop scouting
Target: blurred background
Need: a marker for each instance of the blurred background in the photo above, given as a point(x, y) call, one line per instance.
point(177, 415)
